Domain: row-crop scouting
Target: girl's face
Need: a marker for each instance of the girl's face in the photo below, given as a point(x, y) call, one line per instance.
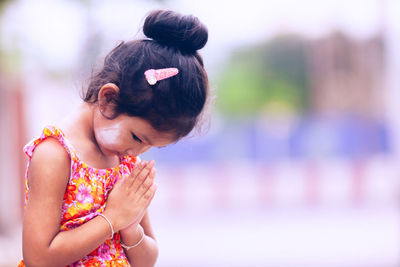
point(126, 135)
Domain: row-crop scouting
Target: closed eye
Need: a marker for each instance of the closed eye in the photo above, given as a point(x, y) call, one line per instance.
point(136, 138)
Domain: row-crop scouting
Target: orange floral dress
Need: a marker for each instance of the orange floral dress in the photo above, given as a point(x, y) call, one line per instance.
point(85, 197)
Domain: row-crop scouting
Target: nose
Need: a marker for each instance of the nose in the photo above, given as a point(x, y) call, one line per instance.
point(145, 148)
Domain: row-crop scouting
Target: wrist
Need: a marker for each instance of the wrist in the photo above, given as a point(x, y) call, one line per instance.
point(132, 236)
point(112, 218)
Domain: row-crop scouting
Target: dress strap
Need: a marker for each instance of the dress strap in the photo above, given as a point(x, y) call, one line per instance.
point(50, 131)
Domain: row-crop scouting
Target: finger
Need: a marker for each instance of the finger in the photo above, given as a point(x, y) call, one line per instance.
point(147, 183)
point(136, 170)
point(141, 177)
point(149, 195)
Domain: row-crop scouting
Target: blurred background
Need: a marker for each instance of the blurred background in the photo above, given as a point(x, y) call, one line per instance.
point(297, 163)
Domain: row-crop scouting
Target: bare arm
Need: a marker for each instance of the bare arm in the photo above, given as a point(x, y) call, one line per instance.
point(43, 243)
point(147, 252)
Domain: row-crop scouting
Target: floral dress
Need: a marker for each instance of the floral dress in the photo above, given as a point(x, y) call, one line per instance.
point(85, 197)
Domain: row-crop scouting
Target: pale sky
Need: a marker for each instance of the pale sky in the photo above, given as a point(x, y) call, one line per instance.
point(52, 32)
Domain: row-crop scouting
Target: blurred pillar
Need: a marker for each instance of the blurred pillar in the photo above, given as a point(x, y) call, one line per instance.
point(313, 184)
point(266, 186)
point(177, 185)
point(12, 163)
point(358, 183)
point(222, 187)
point(391, 30)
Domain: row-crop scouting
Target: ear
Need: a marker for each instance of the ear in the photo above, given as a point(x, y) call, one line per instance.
point(107, 100)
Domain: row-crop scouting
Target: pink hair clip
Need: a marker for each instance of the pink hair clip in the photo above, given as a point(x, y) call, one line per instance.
point(153, 76)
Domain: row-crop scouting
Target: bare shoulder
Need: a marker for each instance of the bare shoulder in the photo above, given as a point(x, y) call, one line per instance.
point(48, 177)
point(50, 166)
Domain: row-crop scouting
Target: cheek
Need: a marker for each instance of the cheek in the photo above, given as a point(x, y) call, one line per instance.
point(109, 137)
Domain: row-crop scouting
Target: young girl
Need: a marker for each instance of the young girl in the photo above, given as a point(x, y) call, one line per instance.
point(86, 191)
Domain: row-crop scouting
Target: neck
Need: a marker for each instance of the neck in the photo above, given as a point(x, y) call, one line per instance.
point(79, 128)
point(80, 122)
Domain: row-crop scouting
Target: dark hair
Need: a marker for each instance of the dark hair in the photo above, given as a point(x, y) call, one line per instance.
point(171, 105)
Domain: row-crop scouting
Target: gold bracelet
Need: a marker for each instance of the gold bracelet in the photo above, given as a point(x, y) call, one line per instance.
point(135, 245)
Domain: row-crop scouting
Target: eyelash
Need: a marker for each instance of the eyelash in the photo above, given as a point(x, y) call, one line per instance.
point(136, 138)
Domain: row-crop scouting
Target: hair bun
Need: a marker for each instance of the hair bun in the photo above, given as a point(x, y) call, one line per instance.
point(173, 29)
